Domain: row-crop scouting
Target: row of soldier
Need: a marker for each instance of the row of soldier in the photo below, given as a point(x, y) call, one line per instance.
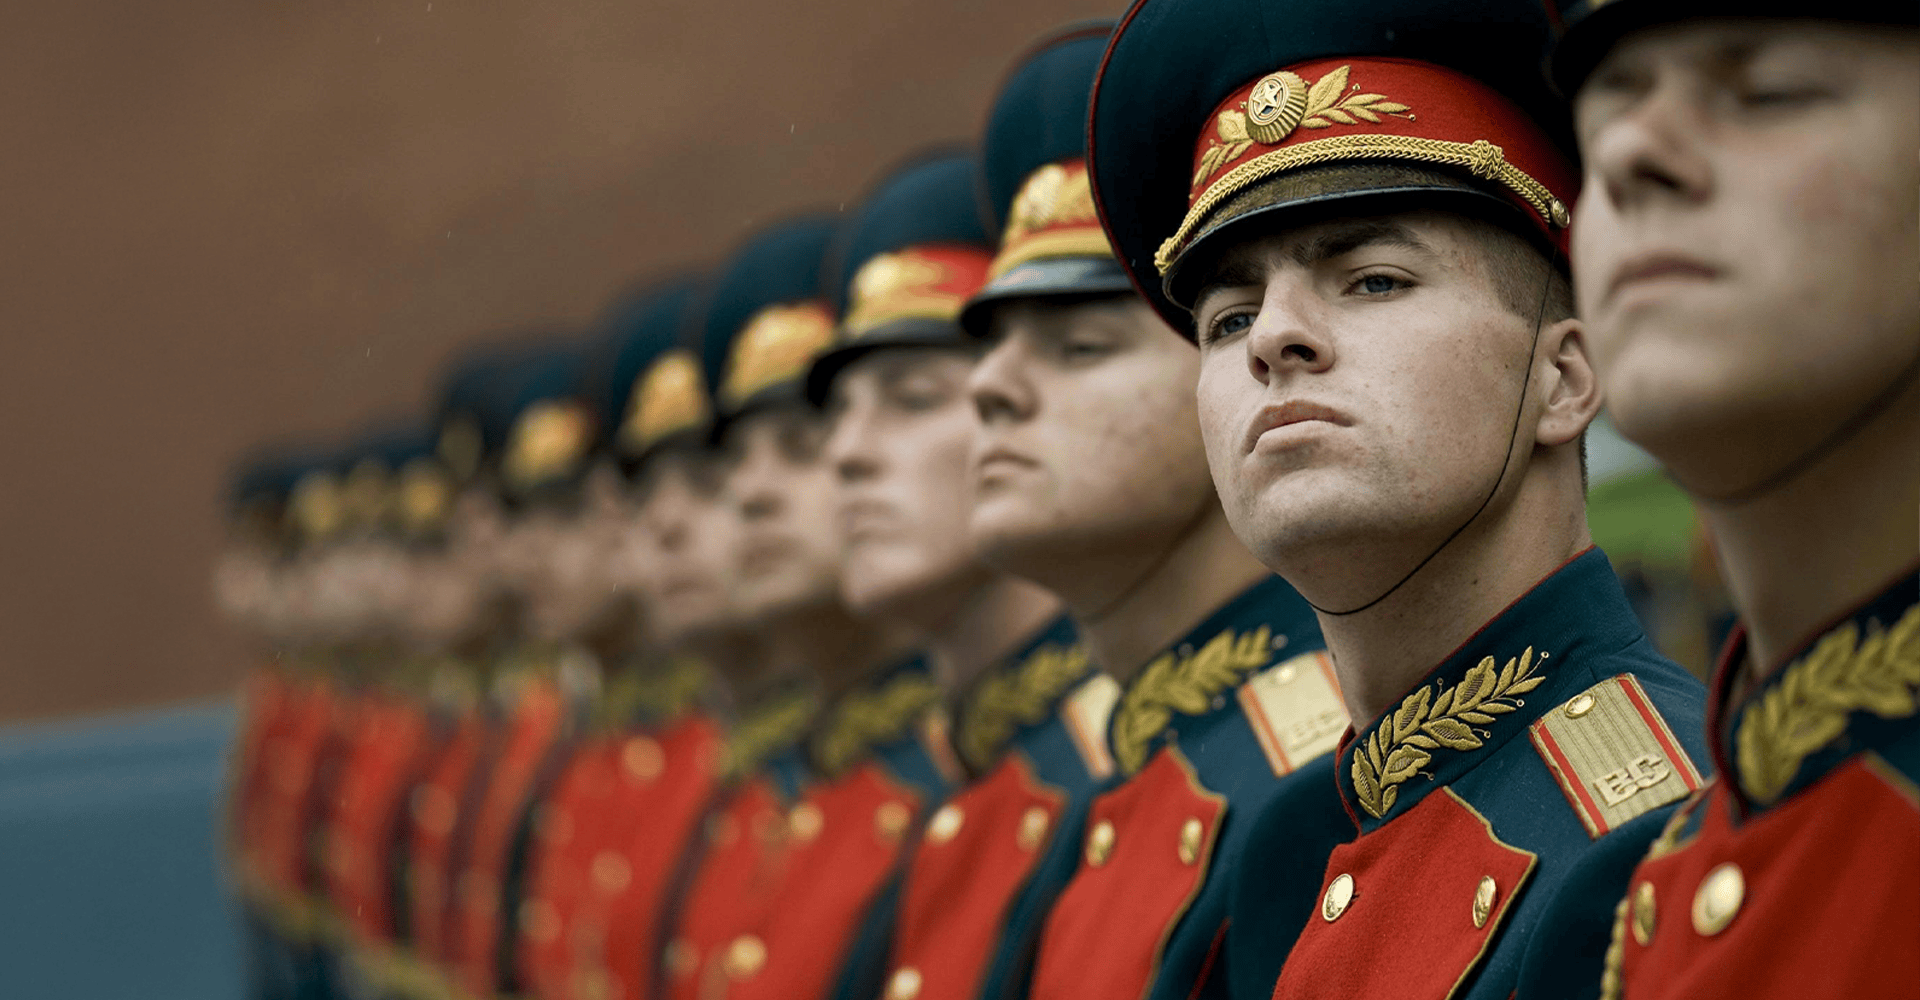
point(1143, 555)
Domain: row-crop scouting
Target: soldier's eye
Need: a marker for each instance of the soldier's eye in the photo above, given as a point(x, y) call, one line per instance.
point(1378, 284)
point(1230, 324)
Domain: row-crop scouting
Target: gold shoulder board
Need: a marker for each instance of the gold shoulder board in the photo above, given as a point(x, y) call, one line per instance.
point(1613, 754)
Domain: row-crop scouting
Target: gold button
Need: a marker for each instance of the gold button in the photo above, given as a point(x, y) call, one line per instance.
point(905, 984)
point(1579, 706)
point(945, 824)
point(1033, 828)
point(1557, 213)
point(611, 873)
point(1718, 900)
point(1483, 895)
point(805, 821)
point(1100, 843)
point(1643, 913)
point(681, 958)
point(890, 820)
point(1339, 896)
point(643, 758)
point(1284, 675)
point(1190, 833)
point(746, 956)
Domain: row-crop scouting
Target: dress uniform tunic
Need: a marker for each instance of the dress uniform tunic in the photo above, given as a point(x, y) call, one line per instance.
point(737, 869)
point(994, 856)
point(1207, 734)
point(883, 763)
point(1480, 790)
point(1796, 872)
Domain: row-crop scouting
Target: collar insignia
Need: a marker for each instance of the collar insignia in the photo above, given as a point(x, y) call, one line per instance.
point(1405, 741)
point(1185, 684)
point(1015, 698)
point(1808, 708)
point(865, 719)
point(778, 723)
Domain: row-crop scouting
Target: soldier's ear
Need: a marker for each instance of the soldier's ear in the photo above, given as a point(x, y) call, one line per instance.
point(1569, 391)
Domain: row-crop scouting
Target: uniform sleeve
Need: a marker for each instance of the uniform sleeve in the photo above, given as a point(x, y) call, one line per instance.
point(1567, 951)
point(1277, 888)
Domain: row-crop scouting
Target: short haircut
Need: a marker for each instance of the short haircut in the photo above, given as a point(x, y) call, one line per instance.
point(1523, 275)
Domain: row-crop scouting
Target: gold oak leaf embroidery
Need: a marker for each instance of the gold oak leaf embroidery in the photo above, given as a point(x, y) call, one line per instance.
point(1018, 697)
point(1186, 685)
point(1234, 140)
point(867, 718)
point(1808, 709)
point(1404, 742)
point(768, 729)
point(1326, 106)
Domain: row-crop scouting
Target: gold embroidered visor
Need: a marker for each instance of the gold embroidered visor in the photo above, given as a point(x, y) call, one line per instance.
point(1334, 129)
point(546, 445)
point(669, 398)
point(774, 348)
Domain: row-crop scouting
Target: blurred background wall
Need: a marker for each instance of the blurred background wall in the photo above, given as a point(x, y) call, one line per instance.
point(228, 222)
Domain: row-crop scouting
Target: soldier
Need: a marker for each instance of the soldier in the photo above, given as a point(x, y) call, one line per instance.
point(254, 586)
point(1751, 193)
point(539, 684)
point(1090, 479)
point(622, 812)
point(878, 760)
point(1364, 215)
point(1027, 703)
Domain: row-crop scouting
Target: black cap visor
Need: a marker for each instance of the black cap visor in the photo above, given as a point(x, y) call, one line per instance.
point(1047, 277)
point(1318, 194)
point(917, 332)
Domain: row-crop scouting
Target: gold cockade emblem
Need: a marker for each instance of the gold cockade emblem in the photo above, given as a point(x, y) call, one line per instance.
point(1282, 102)
point(1808, 709)
point(1019, 697)
point(1185, 684)
point(1405, 741)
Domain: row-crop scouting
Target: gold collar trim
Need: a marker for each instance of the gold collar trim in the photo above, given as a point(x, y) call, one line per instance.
point(864, 719)
point(1405, 741)
point(1185, 684)
point(1015, 698)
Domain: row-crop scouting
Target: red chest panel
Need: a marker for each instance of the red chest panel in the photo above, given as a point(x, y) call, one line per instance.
point(843, 852)
point(1147, 849)
point(565, 836)
point(388, 749)
point(733, 891)
point(1428, 893)
point(293, 776)
point(433, 814)
point(265, 704)
point(1828, 904)
point(976, 856)
point(477, 920)
point(621, 920)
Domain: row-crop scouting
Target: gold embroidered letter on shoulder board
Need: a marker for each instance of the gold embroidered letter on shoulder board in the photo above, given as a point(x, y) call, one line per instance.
point(1810, 705)
point(1403, 742)
point(1185, 684)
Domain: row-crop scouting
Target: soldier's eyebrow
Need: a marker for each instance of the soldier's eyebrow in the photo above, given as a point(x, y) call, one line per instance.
point(1236, 270)
point(1346, 237)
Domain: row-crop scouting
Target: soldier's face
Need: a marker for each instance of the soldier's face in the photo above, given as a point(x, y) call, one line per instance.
point(687, 534)
point(1745, 248)
point(1088, 439)
point(902, 427)
point(1358, 387)
point(564, 570)
point(788, 554)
